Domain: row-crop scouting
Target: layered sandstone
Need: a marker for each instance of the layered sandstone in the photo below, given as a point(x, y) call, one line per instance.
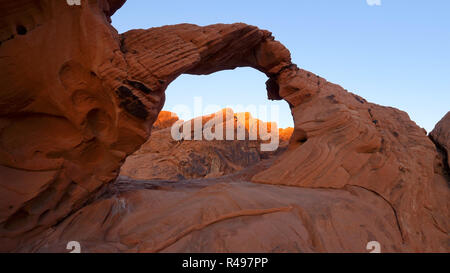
point(77, 98)
point(164, 158)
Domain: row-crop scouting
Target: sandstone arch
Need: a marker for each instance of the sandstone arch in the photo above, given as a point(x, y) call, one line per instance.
point(67, 125)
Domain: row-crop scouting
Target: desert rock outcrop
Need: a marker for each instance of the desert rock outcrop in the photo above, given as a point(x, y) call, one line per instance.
point(163, 158)
point(441, 136)
point(77, 98)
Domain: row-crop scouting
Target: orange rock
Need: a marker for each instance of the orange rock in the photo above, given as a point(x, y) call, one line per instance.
point(165, 120)
point(286, 134)
point(163, 158)
point(441, 136)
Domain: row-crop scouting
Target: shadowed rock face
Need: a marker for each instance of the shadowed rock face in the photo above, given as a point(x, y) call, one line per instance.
point(441, 136)
point(77, 98)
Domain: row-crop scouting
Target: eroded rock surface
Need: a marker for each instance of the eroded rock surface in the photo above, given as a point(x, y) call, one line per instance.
point(164, 158)
point(441, 136)
point(77, 98)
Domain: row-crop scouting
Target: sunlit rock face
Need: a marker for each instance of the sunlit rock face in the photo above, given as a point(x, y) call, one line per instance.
point(77, 98)
point(164, 157)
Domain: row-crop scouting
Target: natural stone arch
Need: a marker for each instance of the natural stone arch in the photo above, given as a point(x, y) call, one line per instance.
point(165, 53)
point(79, 115)
point(184, 144)
point(105, 100)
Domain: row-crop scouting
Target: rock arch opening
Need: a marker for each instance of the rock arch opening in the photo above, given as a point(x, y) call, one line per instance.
point(211, 126)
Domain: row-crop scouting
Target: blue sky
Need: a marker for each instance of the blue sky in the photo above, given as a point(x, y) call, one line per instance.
point(396, 54)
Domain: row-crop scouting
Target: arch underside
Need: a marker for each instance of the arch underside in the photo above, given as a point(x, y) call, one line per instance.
point(79, 115)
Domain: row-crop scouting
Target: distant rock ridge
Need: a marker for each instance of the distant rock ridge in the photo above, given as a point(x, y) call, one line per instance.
point(163, 158)
point(441, 137)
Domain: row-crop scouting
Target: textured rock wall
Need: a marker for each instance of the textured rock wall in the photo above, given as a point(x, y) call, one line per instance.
point(62, 132)
point(441, 136)
point(343, 140)
point(77, 98)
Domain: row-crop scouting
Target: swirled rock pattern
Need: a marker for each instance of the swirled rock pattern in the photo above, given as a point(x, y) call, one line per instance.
point(77, 98)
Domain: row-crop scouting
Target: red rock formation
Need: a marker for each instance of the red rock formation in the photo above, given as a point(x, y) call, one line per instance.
point(441, 136)
point(77, 98)
point(285, 134)
point(63, 134)
point(163, 158)
point(165, 120)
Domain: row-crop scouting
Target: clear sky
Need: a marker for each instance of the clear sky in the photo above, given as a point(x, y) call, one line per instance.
point(395, 54)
